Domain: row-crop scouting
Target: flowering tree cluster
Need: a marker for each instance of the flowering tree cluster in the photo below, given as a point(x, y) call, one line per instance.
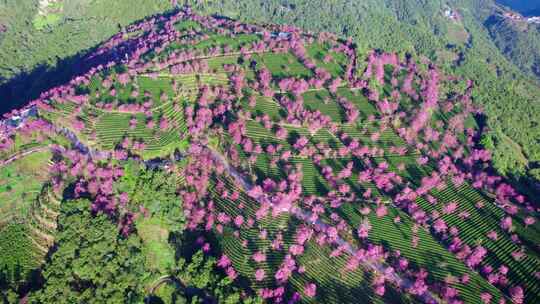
point(93, 179)
point(355, 170)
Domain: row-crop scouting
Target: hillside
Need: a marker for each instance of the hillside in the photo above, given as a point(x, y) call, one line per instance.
point(518, 39)
point(201, 158)
point(456, 35)
point(38, 36)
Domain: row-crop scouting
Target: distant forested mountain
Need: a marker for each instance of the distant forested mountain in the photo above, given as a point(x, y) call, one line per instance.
point(518, 40)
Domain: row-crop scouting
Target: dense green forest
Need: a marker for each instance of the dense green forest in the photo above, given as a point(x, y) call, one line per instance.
point(92, 263)
point(518, 40)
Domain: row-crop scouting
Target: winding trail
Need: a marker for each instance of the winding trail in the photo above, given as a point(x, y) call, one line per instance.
point(189, 291)
point(303, 215)
point(22, 154)
point(306, 216)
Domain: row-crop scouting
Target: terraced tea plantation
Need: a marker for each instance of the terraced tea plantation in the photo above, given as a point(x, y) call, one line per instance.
point(312, 173)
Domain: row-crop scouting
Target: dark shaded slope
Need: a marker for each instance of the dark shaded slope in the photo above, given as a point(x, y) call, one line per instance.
point(29, 56)
point(518, 40)
point(25, 87)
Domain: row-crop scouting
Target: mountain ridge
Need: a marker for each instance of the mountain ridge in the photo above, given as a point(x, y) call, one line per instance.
point(285, 160)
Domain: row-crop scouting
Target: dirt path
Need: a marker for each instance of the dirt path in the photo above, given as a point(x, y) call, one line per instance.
point(187, 289)
point(305, 216)
point(22, 154)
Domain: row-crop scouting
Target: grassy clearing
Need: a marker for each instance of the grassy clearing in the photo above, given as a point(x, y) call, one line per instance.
point(234, 43)
point(216, 64)
point(265, 105)
point(155, 235)
point(21, 182)
point(41, 22)
point(50, 13)
point(20, 185)
point(283, 65)
point(322, 101)
point(338, 61)
point(187, 25)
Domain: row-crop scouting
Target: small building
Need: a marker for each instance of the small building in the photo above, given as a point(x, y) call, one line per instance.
point(280, 35)
point(534, 19)
point(284, 35)
point(512, 15)
point(14, 121)
point(451, 14)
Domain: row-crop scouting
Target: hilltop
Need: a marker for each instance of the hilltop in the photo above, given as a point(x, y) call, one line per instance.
point(203, 158)
point(456, 35)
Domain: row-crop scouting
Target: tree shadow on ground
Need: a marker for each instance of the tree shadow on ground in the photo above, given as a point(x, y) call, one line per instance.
point(28, 86)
